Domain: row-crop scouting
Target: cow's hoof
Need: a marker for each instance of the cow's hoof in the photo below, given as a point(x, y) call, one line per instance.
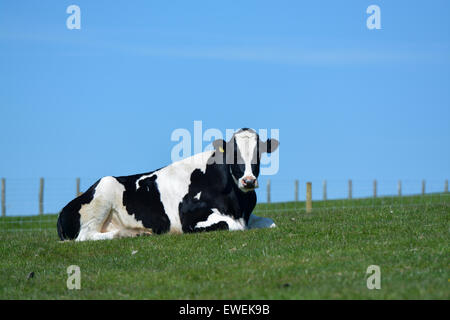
point(144, 234)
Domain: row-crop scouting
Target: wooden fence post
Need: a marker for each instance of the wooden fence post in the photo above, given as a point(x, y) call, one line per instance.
point(350, 189)
point(78, 187)
point(324, 189)
point(399, 188)
point(374, 188)
point(41, 196)
point(308, 197)
point(296, 191)
point(423, 187)
point(3, 197)
point(268, 190)
point(446, 186)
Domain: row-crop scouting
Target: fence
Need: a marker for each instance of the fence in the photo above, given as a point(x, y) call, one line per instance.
point(29, 201)
point(338, 194)
point(389, 188)
point(25, 196)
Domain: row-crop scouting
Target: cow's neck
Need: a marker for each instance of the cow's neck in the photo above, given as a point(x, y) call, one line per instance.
point(246, 201)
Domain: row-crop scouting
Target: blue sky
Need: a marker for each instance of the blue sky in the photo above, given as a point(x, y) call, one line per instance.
point(349, 102)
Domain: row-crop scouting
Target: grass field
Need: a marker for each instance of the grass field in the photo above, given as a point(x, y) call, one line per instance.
point(319, 255)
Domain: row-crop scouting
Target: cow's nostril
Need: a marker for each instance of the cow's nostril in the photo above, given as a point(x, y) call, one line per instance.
point(249, 183)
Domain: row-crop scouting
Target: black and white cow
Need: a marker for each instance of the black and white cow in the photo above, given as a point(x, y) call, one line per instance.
point(213, 190)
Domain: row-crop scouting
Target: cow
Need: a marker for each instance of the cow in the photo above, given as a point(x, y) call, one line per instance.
point(212, 190)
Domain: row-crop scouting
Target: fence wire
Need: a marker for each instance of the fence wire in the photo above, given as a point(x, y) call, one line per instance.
point(21, 197)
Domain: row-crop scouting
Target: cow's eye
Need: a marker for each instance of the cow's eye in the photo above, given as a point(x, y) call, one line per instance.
point(238, 170)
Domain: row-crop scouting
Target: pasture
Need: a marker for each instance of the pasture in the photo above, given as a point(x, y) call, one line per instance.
point(319, 255)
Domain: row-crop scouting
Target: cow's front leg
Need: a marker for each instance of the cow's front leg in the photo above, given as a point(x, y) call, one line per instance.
point(218, 221)
point(221, 225)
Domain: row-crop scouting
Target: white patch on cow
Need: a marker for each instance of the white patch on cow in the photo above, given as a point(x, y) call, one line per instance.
point(246, 142)
point(144, 177)
point(105, 217)
point(255, 222)
point(173, 184)
point(197, 196)
point(216, 217)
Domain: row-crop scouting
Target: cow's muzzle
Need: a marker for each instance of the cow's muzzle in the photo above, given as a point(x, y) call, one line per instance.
point(250, 183)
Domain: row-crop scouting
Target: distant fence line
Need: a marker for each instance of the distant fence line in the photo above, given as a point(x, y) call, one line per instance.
point(295, 186)
point(3, 197)
point(308, 199)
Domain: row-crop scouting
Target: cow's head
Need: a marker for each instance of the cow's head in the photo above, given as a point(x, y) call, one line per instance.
point(243, 154)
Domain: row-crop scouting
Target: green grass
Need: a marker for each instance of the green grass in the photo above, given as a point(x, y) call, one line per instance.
point(319, 255)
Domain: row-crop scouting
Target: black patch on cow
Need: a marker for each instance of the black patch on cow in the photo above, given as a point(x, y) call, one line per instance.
point(145, 202)
point(192, 211)
point(68, 224)
point(218, 191)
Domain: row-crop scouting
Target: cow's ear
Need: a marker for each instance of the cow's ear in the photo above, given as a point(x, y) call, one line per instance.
point(269, 146)
point(272, 145)
point(219, 145)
